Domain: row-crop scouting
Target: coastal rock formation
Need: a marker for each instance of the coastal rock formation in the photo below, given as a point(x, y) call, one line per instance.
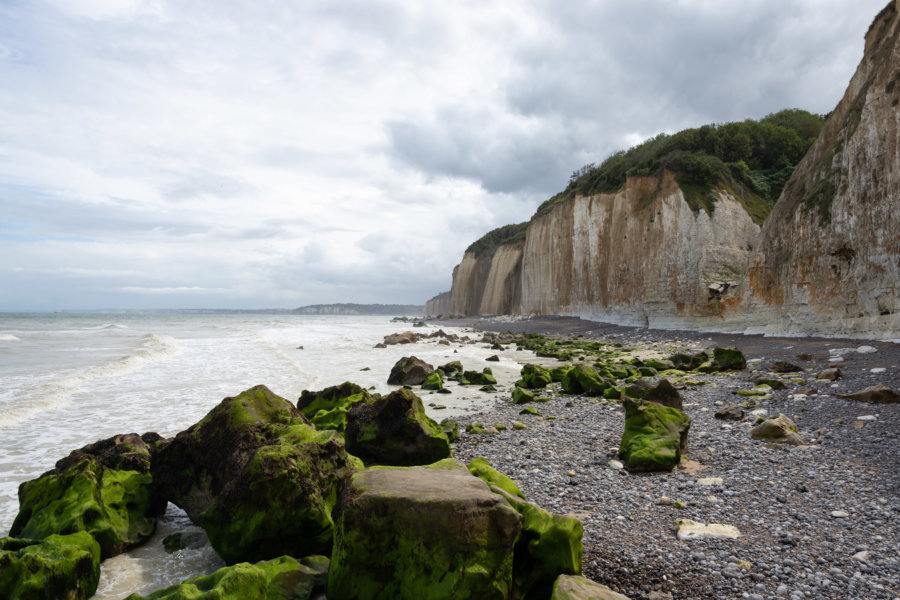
point(409, 370)
point(422, 532)
point(826, 260)
point(105, 489)
point(829, 261)
point(780, 430)
point(573, 587)
point(282, 578)
point(328, 408)
point(257, 477)
point(394, 430)
point(654, 437)
point(439, 306)
point(59, 566)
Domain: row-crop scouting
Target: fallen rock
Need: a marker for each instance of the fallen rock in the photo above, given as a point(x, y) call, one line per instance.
point(866, 350)
point(829, 374)
point(535, 377)
point(432, 532)
point(433, 381)
point(692, 530)
point(522, 396)
point(394, 430)
point(451, 369)
point(654, 436)
point(781, 366)
point(493, 358)
point(549, 546)
point(256, 450)
point(583, 379)
point(724, 359)
point(486, 377)
point(58, 566)
point(576, 587)
point(730, 412)
point(407, 337)
point(665, 393)
point(479, 467)
point(778, 429)
point(450, 427)
point(876, 394)
point(105, 488)
point(328, 408)
point(280, 578)
point(409, 370)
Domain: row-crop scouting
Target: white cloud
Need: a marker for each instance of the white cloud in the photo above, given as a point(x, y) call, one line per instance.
point(286, 153)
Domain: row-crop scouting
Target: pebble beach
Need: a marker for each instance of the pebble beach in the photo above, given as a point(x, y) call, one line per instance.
point(819, 520)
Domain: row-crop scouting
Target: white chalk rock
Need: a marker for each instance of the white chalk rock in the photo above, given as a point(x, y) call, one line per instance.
point(692, 530)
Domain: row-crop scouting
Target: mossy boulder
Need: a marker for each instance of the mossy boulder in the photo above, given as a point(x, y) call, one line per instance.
point(583, 379)
point(612, 393)
point(451, 369)
point(282, 578)
point(422, 533)
point(433, 381)
point(477, 428)
point(574, 587)
point(105, 489)
point(724, 359)
point(479, 467)
point(485, 377)
point(328, 408)
point(522, 396)
point(638, 389)
point(58, 566)
point(536, 377)
point(394, 430)
point(549, 546)
point(450, 427)
point(257, 477)
point(557, 374)
point(779, 429)
point(686, 362)
point(409, 370)
point(654, 436)
point(664, 393)
point(530, 410)
point(660, 364)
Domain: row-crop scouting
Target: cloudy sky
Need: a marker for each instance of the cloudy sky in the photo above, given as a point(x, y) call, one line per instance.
point(276, 153)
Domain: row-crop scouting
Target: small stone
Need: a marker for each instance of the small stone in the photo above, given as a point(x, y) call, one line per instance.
point(519, 426)
point(616, 464)
point(839, 514)
point(858, 424)
point(866, 418)
point(861, 556)
point(679, 504)
point(570, 473)
point(710, 481)
point(877, 370)
point(829, 374)
point(664, 501)
point(866, 350)
point(689, 530)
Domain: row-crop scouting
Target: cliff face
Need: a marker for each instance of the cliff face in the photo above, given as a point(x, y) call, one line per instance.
point(438, 306)
point(488, 284)
point(639, 256)
point(829, 261)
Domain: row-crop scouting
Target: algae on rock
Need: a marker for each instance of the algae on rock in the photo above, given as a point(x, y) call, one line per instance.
point(654, 436)
point(58, 566)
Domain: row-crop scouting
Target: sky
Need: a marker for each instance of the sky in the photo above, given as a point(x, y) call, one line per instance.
point(276, 153)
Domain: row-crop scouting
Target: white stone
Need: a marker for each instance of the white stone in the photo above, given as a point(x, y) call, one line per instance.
point(840, 514)
point(759, 412)
point(692, 530)
point(709, 481)
point(799, 397)
point(866, 418)
point(616, 464)
point(877, 370)
point(866, 350)
point(840, 351)
point(836, 359)
point(861, 556)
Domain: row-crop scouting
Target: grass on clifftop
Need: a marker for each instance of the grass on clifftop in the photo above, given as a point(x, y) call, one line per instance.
point(751, 159)
point(508, 234)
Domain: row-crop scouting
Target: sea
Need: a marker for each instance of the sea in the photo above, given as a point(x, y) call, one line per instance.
point(69, 379)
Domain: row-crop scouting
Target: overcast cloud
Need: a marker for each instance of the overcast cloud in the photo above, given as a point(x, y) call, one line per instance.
point(238, 154)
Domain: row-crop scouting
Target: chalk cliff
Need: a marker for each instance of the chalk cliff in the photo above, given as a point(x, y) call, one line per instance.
point(826, 261)
point(438, 306)
point(829, 261)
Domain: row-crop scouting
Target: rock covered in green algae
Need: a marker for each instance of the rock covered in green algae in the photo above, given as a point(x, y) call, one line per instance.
point(409, 370)
point(724, 359)
point(522, 396)
point(549, 546)
point(583, 379)
point(422, 533)
point(486, 377)
point(451, 369)
point(557, 374)
point(257, 477)
point(573, 587)
point(535, 377)
point(654, 436)
point(328, 408)
point(687, 362)
point(394, 430)
point(450, 427)
point(59, 566)
point(665, 393)
point(778, 429)
point(283, 578)
point(479, 467)
point(433, 381)
point(105, 488)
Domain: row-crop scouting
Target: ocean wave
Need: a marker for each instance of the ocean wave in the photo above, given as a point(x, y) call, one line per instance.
point(6, 337)
point(58, 392)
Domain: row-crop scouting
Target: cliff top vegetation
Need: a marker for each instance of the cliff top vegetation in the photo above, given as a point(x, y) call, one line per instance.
point(751, 159)
point(508, 234)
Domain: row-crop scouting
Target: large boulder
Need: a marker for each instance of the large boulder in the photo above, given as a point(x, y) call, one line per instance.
point(481, 468)
point(257, 477)
point(59, 566)
point(409, 370)
point(422, 533)
point(778, 429)
point(485, 377)
point(407, 337)
point(105, 489)
point(724, 359)
point(687, 362)
point(664, 393)
point(394, 430)
point(654, 437)
point(328, 408)
point(283, 578)
point(583, 379)
point(535, 377)
point(574, 587)
point(433, 381)
point(876, 394)
point(549, 546)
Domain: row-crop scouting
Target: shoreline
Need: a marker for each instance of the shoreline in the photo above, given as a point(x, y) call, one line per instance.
point(781, 498)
